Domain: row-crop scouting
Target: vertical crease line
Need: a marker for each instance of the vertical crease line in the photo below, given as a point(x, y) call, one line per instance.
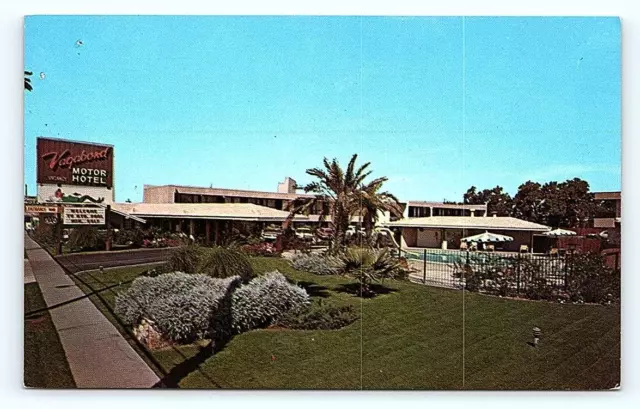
point(463, 164)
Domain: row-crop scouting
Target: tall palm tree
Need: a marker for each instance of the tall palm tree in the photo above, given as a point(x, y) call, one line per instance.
point(373, 202)
point(342, 195)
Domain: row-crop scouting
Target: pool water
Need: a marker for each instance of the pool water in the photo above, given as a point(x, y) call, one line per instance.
point(450, 257)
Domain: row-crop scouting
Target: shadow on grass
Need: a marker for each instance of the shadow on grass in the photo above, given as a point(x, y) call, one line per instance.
point(374, 290)
point(314, 290)
point(184, 368)
point(222, 334)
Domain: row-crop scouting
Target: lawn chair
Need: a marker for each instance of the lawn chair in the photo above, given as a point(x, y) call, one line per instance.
point(553, 252)
point(490, 247)
point(524, 248)
point(463, 245)
point(473, 246)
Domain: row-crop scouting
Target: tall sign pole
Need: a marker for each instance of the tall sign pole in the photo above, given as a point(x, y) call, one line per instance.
point(107, 221)
point(58, 231)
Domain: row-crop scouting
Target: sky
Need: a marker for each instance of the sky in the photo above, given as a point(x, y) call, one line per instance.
point(436, 104)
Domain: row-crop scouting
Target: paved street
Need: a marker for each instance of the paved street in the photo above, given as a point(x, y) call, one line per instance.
point(92, 261)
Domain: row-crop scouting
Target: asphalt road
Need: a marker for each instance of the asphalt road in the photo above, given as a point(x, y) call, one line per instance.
point(92, 261)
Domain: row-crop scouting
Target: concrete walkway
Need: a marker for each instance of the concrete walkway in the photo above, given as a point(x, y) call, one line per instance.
point(99, 357)
point(28, 273)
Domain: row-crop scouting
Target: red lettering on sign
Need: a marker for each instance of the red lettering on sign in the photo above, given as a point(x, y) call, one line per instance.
point(66, 160)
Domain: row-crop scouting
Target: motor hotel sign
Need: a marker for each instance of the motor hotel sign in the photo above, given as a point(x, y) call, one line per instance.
point(83, 215)
point(74, 163)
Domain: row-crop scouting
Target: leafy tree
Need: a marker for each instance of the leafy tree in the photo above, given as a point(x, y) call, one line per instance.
point(343, 194)
point(580, 204)
point(527, 202)
point(496, 199)
point(27, 80)
point(565, 204)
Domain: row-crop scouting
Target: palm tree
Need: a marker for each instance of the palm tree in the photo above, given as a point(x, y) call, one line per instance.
point(342, 195)
point(27, 81)
point(372, 202)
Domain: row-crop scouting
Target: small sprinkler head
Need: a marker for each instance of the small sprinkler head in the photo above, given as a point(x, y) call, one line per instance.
point(536, 336)
point(101, 269)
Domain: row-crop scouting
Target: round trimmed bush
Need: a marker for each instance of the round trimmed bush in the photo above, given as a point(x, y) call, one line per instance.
point(220, 262)
point(318, 264)
point(183, 307)
point(263, 300)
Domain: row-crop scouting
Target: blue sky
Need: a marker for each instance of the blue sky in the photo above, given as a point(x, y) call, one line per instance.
point(436, 104)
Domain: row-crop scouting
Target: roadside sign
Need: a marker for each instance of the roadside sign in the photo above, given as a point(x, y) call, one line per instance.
point(40, 209)
point(83, 216)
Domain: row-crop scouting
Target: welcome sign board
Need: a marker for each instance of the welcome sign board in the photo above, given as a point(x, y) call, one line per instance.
point(83, 216)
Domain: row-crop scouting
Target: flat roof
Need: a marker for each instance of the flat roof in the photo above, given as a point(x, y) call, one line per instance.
point(468, 222)
point(211, 211)
point(607, 195)
point(442, 205)
point(195, 190)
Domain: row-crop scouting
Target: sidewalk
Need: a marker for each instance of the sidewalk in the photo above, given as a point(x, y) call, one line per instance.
point(99, 357)
point(28, 273)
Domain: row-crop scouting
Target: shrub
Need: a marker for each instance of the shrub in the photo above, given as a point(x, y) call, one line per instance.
point(318, 264)
point(589, 279)
point(220, 262)
point(289, 241)
point(368, 265)
point(185, 259)
point(260, 250)
point(133, 237)
point(85, 238)
point(181, 306)
point(263, 300)
point(319, 316)
point(45, 235)
point(578, 278)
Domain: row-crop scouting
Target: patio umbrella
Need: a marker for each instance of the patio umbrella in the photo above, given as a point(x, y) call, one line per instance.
point(487, 237)
point(559, 232)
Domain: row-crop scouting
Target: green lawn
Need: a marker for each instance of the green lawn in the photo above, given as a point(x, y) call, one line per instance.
point(45, 364)
point(411, 338)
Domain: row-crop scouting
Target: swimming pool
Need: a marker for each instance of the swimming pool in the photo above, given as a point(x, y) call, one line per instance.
point(452, 256)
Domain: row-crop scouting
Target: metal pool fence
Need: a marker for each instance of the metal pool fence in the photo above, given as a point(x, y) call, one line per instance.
point(485, 271)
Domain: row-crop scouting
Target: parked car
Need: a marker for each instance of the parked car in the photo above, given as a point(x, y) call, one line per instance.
point(271, 233)
point(325, 233)
point(352, 230)
point(304, 234)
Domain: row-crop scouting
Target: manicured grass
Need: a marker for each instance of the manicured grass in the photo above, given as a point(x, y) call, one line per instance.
point(416, 337)
point(45, 364)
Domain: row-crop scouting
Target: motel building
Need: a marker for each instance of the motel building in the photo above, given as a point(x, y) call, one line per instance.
point(207, 212)
point(446, 232)
point(74, 177)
